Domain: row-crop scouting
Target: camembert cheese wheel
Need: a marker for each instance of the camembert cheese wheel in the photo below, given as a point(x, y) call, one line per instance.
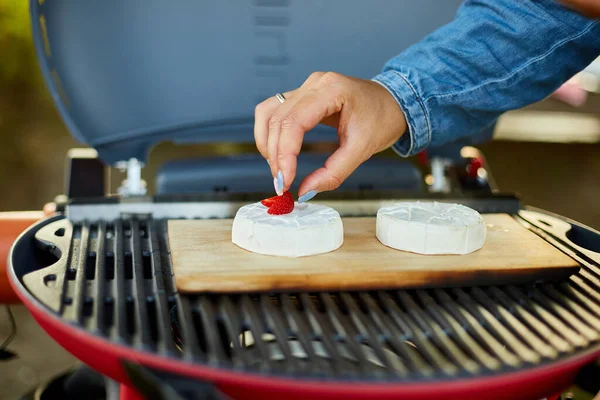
point(308, 230)
point(431, 228)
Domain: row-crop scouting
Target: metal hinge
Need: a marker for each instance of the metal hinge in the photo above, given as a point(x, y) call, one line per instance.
point(134, 185)
point(438, 171)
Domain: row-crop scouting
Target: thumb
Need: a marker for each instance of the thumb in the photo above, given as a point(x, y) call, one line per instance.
point(336, 170)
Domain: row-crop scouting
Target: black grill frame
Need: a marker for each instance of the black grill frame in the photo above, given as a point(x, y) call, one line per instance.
point(453, 333)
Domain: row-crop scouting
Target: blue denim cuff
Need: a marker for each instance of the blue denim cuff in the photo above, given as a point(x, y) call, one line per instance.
point(419, 132)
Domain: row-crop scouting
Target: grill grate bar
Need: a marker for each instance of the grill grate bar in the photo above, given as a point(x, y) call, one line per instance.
point(276, 326)
point(474, 313)
point(566, 313)
point(233, 326)
point(443, 339)
point(102, 302)
point(550, 318)
point(140, 300)
point(592, 322)
point(576, 289)
point(79, 264)
point(166, 266)
point(160, 295)
point(123, 297)
point(165, 273)
point(462, 337)
point(591, 279)
point(372, 338)
point(503, 309)
point(308, 340)
point(253, 323)
point(319, 324)
point(346, 334)
point(592, 269)
point(205, 308)
point(582, 286)
point(417, 335)
point(479, 333)
point(189, 335)
point(398, 341)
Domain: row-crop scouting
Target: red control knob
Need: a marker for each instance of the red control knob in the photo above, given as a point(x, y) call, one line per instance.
point(474, 166)
point(422, 157)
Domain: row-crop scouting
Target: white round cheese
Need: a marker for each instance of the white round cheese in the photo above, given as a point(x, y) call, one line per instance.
point(431, 228)
point(308, 230)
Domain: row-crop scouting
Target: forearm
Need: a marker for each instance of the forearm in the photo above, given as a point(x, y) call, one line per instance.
point(497, 55)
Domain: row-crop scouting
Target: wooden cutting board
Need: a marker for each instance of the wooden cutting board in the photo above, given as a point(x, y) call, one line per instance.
point(205, 260)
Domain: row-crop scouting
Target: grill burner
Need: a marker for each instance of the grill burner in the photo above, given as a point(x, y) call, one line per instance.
point(115, 280)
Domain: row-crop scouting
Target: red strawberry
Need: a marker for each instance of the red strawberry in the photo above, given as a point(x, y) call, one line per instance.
point(269, 202)
point(279, 205)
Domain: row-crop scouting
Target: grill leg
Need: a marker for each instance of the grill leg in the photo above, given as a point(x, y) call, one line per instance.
point(128, 393)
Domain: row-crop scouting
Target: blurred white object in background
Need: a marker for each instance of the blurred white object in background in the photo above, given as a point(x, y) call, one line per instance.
point(575, 91)
point(571, 93)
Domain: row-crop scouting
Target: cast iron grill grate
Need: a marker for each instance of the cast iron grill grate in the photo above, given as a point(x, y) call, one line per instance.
point(116, 281)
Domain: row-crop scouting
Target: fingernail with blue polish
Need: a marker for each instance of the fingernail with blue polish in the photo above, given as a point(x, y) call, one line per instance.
point(276, 186)
point(279, 183)
point(307, 196)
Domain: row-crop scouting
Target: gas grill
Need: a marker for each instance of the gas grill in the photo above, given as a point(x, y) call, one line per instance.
point(97, 275)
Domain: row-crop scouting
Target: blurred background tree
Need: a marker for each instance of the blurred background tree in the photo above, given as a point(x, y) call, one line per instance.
point(33, 139)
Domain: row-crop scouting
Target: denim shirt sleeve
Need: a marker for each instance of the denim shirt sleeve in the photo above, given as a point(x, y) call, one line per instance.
point(497, 55)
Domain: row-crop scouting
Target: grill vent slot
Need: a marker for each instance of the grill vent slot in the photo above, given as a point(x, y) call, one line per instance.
point(147, 265)
point(71, 273)
point(128, 266)
point(152, 316)
point(109, 310)
point(88, 307)
point(130, 316)
point(109, 266)
point(199, 329)
point(90, 266)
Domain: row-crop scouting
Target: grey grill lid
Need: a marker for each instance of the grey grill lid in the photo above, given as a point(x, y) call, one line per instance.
point(128, 74)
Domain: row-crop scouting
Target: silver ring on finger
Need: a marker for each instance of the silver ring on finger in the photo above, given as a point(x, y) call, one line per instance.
point(280, 97)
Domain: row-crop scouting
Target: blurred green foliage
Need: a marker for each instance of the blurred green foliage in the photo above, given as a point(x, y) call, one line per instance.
point(15, 44)
point(33, 139)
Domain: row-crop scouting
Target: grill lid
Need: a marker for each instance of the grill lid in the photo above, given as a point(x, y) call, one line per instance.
point(126, 75)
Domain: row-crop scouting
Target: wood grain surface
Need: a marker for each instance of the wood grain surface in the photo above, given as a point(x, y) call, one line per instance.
point(205, 260)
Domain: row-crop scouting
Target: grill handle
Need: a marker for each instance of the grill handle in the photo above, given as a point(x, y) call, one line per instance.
point(158, 385)
point(584, 239)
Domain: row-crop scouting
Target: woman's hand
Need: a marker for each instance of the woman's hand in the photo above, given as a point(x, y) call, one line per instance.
point(366, 115)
